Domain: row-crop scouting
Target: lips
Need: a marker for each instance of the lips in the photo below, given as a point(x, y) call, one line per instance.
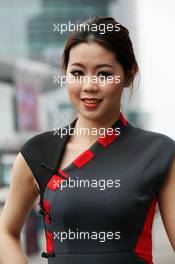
point(91, 100)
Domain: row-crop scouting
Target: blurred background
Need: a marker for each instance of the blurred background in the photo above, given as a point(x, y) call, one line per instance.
point(32, 101)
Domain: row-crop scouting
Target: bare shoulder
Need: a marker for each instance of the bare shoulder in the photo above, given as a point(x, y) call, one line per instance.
point(20, 199)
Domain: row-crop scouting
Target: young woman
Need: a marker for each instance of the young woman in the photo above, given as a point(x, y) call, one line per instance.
point(98, 191)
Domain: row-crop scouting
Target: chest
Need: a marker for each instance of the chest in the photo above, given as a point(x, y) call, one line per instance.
point(112, 193)
point(114, 181)
point(71, 152)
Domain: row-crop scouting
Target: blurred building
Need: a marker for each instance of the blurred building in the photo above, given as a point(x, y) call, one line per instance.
point(43, 40)
point(30, 103)
point(14, 16)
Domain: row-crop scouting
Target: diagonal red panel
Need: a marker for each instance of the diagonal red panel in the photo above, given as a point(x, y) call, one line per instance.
point(144, 243)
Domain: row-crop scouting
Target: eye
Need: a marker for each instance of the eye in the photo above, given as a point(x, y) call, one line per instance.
point(77, 73)
point(105, 74)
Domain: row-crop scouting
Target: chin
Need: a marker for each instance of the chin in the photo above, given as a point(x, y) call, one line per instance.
point(91, 115)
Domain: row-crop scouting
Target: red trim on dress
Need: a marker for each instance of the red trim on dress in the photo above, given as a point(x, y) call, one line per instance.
point(61, 172)
point(107, 140)
point(123, 119)
point(49, 242)
point(54, 182)
point(79, 162)
point(144, 244)
point(46, 207)
point(84, 158)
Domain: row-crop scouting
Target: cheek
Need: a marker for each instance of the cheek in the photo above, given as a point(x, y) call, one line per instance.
point(113, 85)
point(73, 91)
point(112, 90)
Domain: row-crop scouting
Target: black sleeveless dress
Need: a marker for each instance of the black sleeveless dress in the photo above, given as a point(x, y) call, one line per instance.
point(100, 208)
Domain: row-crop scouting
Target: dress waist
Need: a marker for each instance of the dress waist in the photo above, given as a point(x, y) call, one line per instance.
point(99, 258)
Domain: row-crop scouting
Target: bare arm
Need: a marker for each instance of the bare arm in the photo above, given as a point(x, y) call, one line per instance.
point(166, 201)
point(21, 197)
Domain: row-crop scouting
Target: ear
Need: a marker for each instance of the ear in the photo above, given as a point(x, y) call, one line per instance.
point(130, 76)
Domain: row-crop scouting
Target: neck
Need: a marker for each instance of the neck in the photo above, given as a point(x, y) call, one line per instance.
point(94, 125)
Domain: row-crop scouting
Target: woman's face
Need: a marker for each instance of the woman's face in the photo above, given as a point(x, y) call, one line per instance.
point(93, 72)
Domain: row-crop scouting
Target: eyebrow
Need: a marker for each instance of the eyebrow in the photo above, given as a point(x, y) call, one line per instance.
point(97, 66)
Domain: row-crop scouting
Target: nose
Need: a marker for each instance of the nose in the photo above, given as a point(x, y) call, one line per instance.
point(90, 84)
